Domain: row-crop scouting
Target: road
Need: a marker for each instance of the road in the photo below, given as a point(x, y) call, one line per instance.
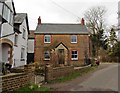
point(102, 80)
point(105, 78)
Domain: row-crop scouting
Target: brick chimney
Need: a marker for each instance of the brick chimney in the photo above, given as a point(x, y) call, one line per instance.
point(82, 21)
point(39, 21)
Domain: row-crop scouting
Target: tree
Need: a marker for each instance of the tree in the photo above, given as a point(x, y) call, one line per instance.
point(116, 52)
point(95, 22)
point(112, 37)
point(112, 40)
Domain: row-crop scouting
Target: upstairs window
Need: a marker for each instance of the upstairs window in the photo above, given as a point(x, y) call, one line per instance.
point(73, 39)
point(7, 14)
point(74, 55)
point(47, 39)
point(46, 55)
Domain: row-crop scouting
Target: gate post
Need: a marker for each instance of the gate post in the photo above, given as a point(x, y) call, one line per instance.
point(48, 73)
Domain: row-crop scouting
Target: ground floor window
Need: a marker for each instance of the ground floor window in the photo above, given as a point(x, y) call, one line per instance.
point(74, 55)
point(47, 55)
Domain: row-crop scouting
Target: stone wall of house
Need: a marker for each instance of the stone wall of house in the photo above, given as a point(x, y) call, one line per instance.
point(14, 81)
point(54, 73)
point(82, 45)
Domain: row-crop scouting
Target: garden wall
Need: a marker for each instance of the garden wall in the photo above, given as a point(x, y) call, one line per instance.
point(53, 73)
point(14, 81)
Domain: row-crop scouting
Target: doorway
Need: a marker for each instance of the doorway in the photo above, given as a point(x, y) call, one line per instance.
point(61, 56)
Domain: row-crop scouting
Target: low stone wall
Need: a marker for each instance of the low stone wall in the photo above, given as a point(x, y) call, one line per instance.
point(14, 81)
point(53, 73)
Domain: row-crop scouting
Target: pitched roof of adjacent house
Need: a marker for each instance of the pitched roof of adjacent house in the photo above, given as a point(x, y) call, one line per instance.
point(19, 18)
point(31, 35)
point(61, 29)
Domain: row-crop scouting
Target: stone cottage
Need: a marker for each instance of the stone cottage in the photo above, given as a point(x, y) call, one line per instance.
point(61, 44)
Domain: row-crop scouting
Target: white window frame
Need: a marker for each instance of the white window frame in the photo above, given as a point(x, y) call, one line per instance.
point(45, 52)
point(74, 55)
point(73, 38)
point(47, 37)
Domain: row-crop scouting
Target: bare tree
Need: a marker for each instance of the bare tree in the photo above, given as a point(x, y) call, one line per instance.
point(95, 22)
point(95, 18)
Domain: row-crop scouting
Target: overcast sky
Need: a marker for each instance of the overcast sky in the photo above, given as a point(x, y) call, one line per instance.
point(63, 11)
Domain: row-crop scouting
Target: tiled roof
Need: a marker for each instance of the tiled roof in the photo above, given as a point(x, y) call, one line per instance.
point(19, 18)
point(61, 29)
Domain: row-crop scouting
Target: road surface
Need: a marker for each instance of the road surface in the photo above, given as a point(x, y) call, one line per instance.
point(101, 80)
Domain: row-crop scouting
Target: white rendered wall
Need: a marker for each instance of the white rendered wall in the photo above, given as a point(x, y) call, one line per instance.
point(30, 45)
point(22, 43)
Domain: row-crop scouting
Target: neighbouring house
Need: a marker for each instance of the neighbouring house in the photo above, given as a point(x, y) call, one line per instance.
point(30, 55)
point(61, 44)
point(7, 34)
point(21, 28)
point(14, 30)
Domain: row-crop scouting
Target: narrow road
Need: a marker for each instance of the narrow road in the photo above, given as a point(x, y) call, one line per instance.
point(105, 78)
point(102, 80)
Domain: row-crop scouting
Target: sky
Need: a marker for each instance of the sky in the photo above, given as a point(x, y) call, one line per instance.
point(64, 11)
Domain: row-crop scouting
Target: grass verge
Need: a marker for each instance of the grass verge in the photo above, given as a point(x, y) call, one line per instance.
point(32, 89)
point(73, 75)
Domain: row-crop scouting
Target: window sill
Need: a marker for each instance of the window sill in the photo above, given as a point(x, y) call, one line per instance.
point(73, 42)
point(24, 38)
point(22, 60)
point(16, 45)
point(74, 59)
point(46, 59)
point(47, 42)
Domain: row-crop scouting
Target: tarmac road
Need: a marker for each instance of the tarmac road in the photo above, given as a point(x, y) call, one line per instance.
point(102, 80)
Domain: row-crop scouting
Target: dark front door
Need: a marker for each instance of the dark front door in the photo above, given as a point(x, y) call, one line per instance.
point(61, 56)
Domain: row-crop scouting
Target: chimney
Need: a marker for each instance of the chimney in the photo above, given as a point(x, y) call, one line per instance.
point(39, 21)
point(82, 21)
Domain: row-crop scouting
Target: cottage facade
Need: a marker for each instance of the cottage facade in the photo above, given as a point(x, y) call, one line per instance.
point(61, 44)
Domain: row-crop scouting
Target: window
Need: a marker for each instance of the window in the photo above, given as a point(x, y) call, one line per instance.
point(23, 33)
point(11, 18)
point(1, 7)
point(47, 39)
point(74, 55)
point(7, 14)
point(22, 54)
point(73, 39)
point(46, 55)
point(16, 40)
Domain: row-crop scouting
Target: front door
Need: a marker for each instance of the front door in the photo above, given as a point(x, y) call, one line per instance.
point(61, 56)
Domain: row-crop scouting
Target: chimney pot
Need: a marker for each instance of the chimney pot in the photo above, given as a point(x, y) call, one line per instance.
point(39, 20)
point(82, 21)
